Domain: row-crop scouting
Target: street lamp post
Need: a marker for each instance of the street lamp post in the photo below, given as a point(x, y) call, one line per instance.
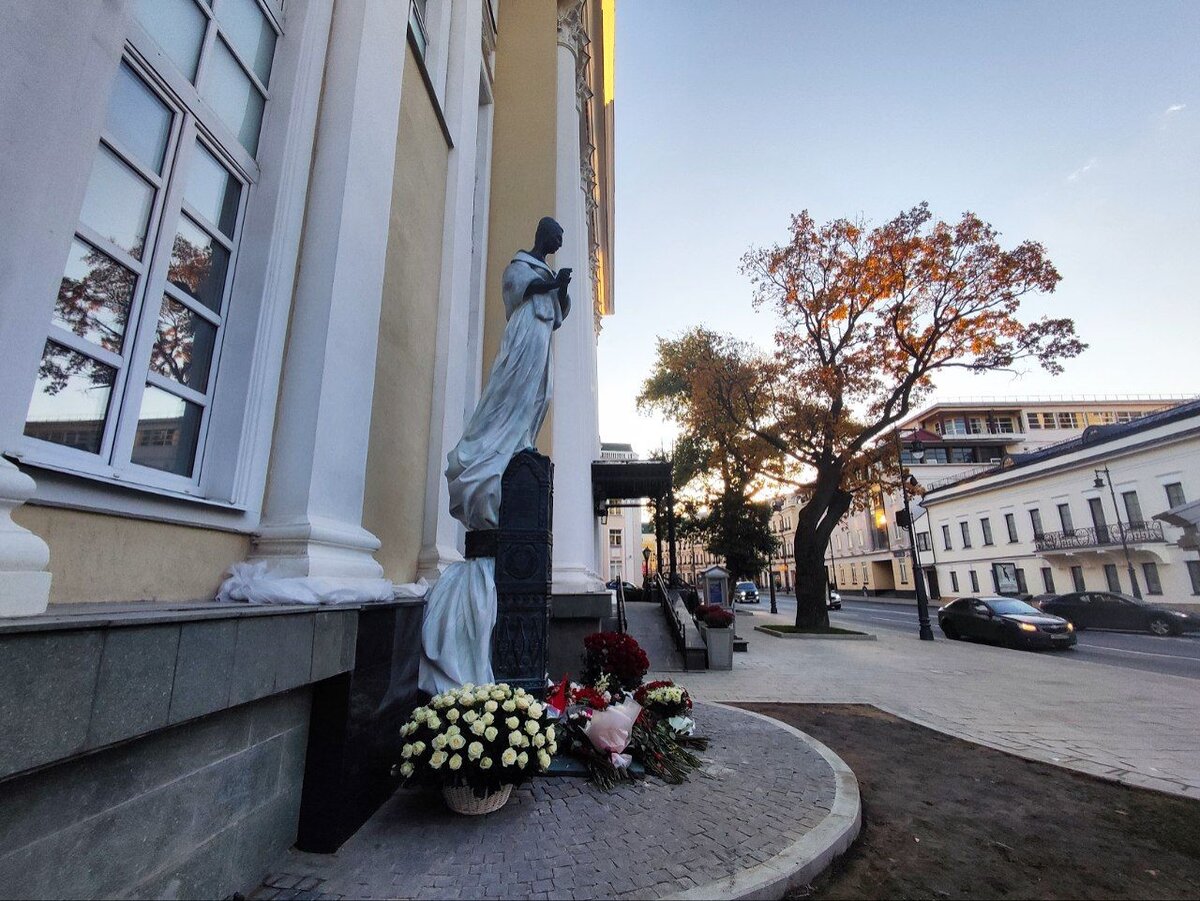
point(1099, 483)
point(918, 454)
point(776, 506)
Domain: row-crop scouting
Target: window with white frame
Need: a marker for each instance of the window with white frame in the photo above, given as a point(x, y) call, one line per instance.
point(1010, 523)
point(1175, 495)
point(1150, 574)
point(418, 20)
point(127, 377)
point(614, 537)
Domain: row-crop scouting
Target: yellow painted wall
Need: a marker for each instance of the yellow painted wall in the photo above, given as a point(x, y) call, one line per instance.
point(97, 557)
point(398, 453)
point(523, 150)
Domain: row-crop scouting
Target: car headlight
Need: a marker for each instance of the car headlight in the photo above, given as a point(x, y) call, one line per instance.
point(1180, 615)
point(1070, 627)
point(1027, 627)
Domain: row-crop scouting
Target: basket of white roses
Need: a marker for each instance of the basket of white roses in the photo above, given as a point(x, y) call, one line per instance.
point(476, 743)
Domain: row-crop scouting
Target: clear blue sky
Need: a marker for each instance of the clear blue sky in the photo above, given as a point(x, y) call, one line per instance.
point(1076, 124)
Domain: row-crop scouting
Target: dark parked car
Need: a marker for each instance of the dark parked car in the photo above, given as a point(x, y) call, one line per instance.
point(746, 593)
point(632, 592)
point(1109, 610)
point(1005, 620)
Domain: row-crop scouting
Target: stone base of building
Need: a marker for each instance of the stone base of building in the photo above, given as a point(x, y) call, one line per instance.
point(172, 751)
point(572, 618)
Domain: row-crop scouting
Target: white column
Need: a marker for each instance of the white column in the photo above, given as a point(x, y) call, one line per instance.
point(441, 536)
point(576, 442)
point(312, 523)
point(24, 581)
point(56, 64)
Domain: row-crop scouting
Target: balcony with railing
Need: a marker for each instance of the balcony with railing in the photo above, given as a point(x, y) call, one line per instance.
point(1098, 537)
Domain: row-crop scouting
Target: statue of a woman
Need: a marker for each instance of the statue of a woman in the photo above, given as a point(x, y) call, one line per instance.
point(461, 608)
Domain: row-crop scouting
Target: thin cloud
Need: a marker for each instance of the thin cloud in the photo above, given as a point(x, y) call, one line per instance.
point(1174, 108)
point(1082, 170)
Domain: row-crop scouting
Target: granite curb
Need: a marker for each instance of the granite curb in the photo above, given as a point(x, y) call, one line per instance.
point(860, 636)
point(811, 854)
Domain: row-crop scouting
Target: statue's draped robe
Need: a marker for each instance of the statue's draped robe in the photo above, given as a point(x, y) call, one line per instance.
point(461, 608)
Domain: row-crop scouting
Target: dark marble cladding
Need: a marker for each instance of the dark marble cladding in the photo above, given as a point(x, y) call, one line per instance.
point(68, 691)
point(354, 739)
point(523, 571)
point(195, 810)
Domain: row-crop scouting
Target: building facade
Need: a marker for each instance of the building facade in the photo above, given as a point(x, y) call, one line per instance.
point(622, 526)
point(1046, 522)
point(251, 266)
point(870, 553)
point(255, 288)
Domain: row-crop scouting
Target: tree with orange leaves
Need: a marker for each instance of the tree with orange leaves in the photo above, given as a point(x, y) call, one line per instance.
point(867, 317)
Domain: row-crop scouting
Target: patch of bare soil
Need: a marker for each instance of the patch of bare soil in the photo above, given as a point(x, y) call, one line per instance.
point(943, 818)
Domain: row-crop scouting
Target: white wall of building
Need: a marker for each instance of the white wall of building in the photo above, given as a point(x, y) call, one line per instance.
point(1144, 465)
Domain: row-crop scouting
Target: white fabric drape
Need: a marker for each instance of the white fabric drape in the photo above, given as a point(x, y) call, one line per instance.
point(461, 608)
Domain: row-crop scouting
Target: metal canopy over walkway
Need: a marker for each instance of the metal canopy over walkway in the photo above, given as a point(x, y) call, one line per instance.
point(629, 480)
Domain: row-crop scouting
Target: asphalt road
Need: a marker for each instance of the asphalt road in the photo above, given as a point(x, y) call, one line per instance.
point(1174, 655)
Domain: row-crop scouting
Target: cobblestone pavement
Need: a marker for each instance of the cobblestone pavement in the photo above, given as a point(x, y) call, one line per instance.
point(761, 790)
point(1139, 728)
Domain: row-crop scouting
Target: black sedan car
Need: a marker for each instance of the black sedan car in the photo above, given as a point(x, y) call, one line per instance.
point(1109, 610)
point(632, 592)
point(1007, 621)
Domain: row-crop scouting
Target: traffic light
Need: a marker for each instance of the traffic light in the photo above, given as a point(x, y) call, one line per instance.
point(902, 519)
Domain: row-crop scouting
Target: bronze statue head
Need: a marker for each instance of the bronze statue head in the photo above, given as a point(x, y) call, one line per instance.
point(549, 237)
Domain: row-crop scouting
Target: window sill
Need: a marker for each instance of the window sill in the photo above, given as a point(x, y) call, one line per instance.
point(124, 484)
point(66, 488)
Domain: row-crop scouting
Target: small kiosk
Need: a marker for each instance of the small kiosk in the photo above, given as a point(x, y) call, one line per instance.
point(717, 594)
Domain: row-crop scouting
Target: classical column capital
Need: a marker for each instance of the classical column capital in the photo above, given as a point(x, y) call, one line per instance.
point(571, 31)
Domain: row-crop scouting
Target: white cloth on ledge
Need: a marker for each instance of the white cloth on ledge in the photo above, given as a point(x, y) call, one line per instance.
point(254, 583)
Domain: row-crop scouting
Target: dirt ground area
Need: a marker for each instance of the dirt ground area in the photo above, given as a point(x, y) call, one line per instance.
point(943, 818)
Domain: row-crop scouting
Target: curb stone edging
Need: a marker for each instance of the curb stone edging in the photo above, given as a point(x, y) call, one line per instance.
point(807, 857)
point(767, 630)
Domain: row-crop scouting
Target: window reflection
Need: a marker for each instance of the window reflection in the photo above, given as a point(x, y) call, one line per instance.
point(183, 345)
point(94, 297)
point(138, 119)
point(178, 27)
point(118, 201)
point(213, 191)
point(70, 399)
point(233, 95)
point(198, 264)
point(167, 430)
point(248, 30)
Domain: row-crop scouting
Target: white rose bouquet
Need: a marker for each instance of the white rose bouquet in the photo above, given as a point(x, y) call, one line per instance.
point(479, 736)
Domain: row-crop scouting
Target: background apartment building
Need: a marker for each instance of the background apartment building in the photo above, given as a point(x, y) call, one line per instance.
point(1046, 521)
point(622, 526)
point(868, 553)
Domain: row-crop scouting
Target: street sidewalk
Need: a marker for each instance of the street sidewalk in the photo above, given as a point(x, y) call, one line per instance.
point(1131, 726)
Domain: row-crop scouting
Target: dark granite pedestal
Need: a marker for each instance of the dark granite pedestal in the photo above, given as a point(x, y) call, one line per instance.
point(524, 541)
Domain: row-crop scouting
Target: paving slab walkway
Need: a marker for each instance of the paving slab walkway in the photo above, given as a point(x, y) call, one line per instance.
point(1134, 727)
point(768, 810)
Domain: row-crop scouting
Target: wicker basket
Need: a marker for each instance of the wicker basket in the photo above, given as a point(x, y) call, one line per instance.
point(461, 799)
